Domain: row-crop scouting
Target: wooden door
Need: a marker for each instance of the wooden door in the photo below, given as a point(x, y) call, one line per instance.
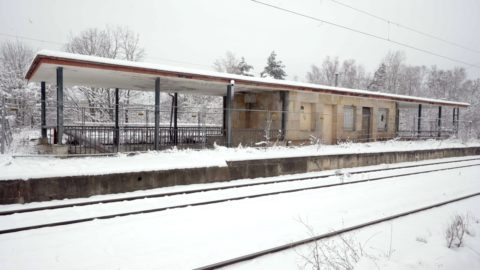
point(366, 123)
point(305, 116)
point(327, 127)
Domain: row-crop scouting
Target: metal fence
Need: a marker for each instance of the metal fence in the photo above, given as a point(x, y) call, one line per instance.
point(204, 127)
point(90, 130)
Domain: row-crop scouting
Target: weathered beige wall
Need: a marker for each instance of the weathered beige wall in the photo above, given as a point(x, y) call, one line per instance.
point(318, 101)
point(251, 120)
point(256, 118)
point(298, 131)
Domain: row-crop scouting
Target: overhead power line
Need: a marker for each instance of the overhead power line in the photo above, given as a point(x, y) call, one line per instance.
point(365, 33)
point(30, 38)
point(406, 27)
point(63, 43)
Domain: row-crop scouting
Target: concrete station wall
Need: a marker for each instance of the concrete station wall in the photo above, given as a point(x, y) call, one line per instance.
point(311, 114)
point(22, 191)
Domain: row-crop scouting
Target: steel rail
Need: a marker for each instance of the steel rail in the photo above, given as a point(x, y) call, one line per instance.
point(75, 221)
point(183, 192)
point(328, 235)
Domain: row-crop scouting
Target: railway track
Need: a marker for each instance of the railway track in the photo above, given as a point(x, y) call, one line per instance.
point(74, 221)
point(166, 194)
point(287, 246)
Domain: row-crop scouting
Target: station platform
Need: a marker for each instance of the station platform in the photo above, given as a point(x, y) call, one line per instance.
point(51, 186)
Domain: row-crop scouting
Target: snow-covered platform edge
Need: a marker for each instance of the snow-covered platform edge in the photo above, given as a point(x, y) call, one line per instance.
point(75, 186)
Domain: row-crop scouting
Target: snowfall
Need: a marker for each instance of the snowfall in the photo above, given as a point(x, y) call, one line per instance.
point(185, 238)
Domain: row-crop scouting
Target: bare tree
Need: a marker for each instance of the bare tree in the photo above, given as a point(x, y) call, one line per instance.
point(129, 44)
point(112, 42)
point(393, 62)
point(231, 64)
point(315, 75)
point(325, 74)
point(411, 80)
point(350, 74)
point(15, 58)
point(330, 67)
point(228, 64)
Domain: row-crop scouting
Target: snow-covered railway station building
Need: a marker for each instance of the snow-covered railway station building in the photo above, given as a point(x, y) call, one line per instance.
point(255, 111)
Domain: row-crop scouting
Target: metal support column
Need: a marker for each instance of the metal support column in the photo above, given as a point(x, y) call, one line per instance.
point(224, 118)
point(116, 138)
point(439, 121)
point(397, 118)
point(157, 114)
point(175, 118)
point(228, 112)
point(419, 125)
point(43, 114)
point(458, 119)
point(284, 100)
point(59, 105)
point(454, 120)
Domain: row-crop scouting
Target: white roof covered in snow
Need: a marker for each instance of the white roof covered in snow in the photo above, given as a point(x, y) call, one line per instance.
point(112, 73)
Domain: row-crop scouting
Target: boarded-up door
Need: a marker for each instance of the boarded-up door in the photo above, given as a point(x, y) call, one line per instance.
point(306, 116)
point(366, 123)
point(327, 127)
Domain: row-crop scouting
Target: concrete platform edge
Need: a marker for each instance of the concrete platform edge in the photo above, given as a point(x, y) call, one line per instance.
point(44, 189)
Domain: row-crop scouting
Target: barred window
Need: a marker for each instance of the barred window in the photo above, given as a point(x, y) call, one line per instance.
point(382, 119)
point(349, 118)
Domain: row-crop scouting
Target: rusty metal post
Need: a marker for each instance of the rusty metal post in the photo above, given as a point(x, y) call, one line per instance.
point(43, 114)
point(228, 112)
point(59, 105)
point(439, 121)
point(116, 138)
point(284, 99)
point(157, 114)
point(419, 125)
point(175, 118)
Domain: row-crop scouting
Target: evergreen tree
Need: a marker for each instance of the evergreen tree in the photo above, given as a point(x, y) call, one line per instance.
point(274, 68)
point(244, 68)
point(379, 78)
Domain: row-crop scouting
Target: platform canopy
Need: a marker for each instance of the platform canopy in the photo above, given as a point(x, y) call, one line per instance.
point(111, 73)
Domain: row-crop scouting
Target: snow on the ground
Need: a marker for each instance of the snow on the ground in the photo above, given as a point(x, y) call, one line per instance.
point(411, 242)
point(194, 236)
point(344, 173)
point(23, 141)
point(36, 167)
point(33, 218)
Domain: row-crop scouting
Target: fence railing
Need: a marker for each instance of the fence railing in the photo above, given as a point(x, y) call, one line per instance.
point(92, 129)
point(107, 139)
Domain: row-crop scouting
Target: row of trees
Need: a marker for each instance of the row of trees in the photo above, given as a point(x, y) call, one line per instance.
point(231, 64)
point(111, 42)
point(393, 74)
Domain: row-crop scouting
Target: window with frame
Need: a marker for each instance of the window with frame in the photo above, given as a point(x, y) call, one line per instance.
point(349, 118)
point(382, 119)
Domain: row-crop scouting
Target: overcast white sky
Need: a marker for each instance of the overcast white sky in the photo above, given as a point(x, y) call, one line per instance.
point(193, 33)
